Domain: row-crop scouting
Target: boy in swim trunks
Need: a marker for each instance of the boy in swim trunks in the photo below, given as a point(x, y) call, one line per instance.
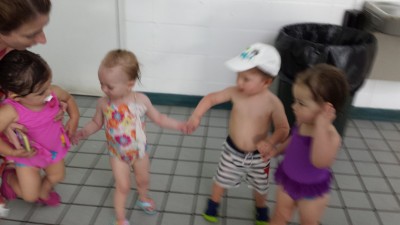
point(254, 109)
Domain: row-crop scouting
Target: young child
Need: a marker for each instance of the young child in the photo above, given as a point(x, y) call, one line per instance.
point(33, 102)
point(123, 112)
point(304, 175)
point(254, 109)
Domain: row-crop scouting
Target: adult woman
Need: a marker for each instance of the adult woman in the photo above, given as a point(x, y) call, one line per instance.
point(21, 27)
point(21, 24)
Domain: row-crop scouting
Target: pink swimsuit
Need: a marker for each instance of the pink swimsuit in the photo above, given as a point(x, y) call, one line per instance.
point(45, 135)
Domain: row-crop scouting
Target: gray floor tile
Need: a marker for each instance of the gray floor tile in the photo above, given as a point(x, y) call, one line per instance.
point(334, 216)
point(187, 168)
point(91, 195)
point(363, 217)
point(348, 182)
point(385, 202)
point(49, 215)
point(376, 184)
point(78, 215)
point(240, 208)
point(361, 155)
point(179, 203)
point(166, 152)
point(366, 188)
point(354, 199)
point(343, 167)
point(162, 166)
point(191, 154)
point(139, 218)
point(183, 184)
point(389, 218)
point(175, 219)
point(100, 178)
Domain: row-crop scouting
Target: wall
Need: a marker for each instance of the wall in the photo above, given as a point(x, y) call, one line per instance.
point(181, 44)
point(78, 36)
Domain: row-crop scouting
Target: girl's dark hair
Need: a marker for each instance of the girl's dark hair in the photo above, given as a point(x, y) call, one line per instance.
point(22, 72)
point(326, 83)
point(15, 13)
point(126, 59)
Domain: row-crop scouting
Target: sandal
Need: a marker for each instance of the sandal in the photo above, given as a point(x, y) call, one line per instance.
point(54, 199)
point(262, 215)
point(126, 222)
point(147, 206)
point(5, 189)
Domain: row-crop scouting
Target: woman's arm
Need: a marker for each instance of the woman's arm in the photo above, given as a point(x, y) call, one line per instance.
point(72, 109)
point(8, 115)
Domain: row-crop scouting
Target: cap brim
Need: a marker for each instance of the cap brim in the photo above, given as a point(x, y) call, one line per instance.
point(237, 64)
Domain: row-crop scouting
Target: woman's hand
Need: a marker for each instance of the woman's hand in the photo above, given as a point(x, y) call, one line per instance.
point(11, 136)
point(22, 153)
point(61, 112)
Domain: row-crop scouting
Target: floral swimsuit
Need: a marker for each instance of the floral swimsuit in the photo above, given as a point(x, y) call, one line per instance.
point(124, 125)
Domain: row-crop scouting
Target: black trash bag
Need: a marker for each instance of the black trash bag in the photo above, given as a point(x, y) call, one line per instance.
point(303, 45)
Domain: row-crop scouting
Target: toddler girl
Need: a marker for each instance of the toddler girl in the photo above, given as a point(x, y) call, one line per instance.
point(33, 102)
point(304, 175)
point(123, 111)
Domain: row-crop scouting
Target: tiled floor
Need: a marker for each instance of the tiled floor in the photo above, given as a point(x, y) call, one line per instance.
point(366, 190)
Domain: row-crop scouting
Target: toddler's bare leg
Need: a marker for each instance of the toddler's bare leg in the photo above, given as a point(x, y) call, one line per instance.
point(27, 183)
point(311, 210)
point(217, 193)
point(283, 209)
point(55, 173)
point(121, 172)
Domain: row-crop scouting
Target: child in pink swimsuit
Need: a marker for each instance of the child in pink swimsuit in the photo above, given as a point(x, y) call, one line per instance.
point(33, 102)
point(122, 113)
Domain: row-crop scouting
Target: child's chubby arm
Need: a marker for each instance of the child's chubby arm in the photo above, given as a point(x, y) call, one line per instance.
point(326, 140)
point(94, 125)
point(8, 115)
point(72, 109)
point(205, 104)
point(158, 118)
point(267, 147)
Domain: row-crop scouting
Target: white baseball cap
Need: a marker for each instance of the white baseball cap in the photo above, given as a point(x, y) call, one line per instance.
point(264, 57)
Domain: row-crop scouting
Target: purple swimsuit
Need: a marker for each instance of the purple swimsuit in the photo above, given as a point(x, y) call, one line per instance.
point(298, 176)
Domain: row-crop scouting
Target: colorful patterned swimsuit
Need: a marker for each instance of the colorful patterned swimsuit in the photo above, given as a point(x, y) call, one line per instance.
point(124, 126)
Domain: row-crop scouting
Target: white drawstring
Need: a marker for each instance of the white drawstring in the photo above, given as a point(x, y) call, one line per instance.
point(247, 156)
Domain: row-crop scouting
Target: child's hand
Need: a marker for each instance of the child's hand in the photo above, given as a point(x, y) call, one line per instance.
point(267, 150)
point(182, 127)
point(326, 116)
point(192, 124)
point(70, 127)
point(79, 135)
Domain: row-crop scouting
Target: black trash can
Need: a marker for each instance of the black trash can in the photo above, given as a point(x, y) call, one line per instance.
point(307, 44)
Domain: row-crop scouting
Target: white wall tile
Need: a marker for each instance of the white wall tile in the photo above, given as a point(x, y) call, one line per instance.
point(189, 12)
point(139, 10)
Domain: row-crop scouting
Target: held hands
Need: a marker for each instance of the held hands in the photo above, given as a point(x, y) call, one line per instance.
point(70, 127)
point(77, 136)
point(192, 124)
point(267, 150)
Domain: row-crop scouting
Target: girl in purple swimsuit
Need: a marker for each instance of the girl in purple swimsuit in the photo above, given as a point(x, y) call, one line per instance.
point(304, 175)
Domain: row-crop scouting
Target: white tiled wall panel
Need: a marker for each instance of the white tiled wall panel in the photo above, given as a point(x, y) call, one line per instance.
point(182, 44)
